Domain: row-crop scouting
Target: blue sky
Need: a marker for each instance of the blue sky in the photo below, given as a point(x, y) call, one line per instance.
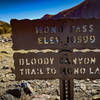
point(33, 9)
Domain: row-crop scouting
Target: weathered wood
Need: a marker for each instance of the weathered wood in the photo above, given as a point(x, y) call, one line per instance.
point(66, 90)
point(56, 34)
point(36, 66)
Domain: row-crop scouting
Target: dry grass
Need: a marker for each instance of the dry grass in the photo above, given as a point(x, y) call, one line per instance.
point(6, 35)
point(27, 97)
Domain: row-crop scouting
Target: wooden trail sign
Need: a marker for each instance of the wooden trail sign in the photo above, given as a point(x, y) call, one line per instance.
point(66, 34)
point(56, 34)
point(52, 66)
point(36, 66)
point(85, 34)
point(80, 65)
point(37, 34)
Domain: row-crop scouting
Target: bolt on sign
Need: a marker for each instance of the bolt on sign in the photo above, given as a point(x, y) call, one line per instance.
point(80, 65)
point(56, 34)
point(30, 66)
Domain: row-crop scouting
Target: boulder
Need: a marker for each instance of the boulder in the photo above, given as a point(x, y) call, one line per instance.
point(15, 92)
point(27, 88)
point(7, 97)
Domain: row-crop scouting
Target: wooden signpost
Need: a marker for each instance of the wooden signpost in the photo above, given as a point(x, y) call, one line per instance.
point(63, 35)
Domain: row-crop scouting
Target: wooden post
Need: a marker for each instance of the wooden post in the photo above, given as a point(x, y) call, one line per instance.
point(66, 90)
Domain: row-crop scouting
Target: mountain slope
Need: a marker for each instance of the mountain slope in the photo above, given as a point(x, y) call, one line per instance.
point(4, 27)
point(87, 9)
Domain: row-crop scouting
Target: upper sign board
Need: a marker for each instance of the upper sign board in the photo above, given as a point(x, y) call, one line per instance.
point(56, 34)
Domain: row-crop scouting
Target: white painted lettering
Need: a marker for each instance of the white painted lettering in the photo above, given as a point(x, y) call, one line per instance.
point(97, 71)
point(40, 40)
point(86, 60)
point(41, 71)
point(53, 71)
point(91, 28)
point(80, 60)
point(92, 39)
point(33, 72)
point(46, 61)
point(52, 40)
point(40, 61)
point(51, 61)
point(53, 29)
point(21, 62)
point(27, 63)
point(90, 70)
point(21, 71)
point(76, 70)
point(75, 61)
point(46, 29)
point(93, 60)
point(48, 70)
point(33, 61)
point(84, 28)
point(45, 41)
point(27, 71)
point(82, 70)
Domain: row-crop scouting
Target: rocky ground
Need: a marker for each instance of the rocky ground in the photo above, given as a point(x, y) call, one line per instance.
point(37, 89)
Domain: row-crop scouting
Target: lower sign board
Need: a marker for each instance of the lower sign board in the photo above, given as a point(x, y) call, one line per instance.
point(57, 65)
point(80, 65)
point(36, 66)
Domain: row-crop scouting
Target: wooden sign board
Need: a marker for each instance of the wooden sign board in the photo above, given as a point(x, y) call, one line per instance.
point(37, 34)
point(84, 34)
point(80, 65)
point(31, 66)
point(56, 34)
point(52, 65)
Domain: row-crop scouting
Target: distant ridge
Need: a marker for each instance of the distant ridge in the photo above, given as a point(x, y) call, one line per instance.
point(87, 9)
point(3, 21)
point(5, 28)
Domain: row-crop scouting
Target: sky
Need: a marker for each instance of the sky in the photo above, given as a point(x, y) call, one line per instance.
point(33, 9)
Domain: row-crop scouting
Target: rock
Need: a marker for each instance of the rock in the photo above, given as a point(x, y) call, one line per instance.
point(7, 97)
point(96, 97)
point(2, 80)
point(10, 77)
point(88, 80)
point(15, 92)
point(83, 86)
point(0, 98)
point(9, 40)
point(95, 82)
point(5, 67)
point(2, 41)
point(5, 52)
point(45, 97)
point(27, 88)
